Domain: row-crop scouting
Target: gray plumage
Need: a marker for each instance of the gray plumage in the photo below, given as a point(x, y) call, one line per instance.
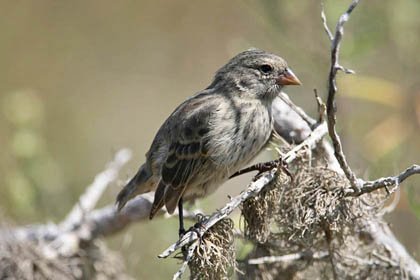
point(212, 134)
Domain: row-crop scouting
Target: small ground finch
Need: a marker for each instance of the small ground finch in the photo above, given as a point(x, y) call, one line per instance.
point(212, 134)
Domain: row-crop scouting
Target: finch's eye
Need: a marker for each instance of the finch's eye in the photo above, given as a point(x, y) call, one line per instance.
point(266, 68)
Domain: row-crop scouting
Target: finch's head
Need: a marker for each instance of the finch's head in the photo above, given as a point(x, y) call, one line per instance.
point(257, 73)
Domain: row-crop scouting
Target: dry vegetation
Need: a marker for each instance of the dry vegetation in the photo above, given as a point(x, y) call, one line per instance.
point(309, 223)
point(26, 260)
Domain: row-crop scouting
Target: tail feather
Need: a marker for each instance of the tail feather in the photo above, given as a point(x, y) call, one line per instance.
point(172, 197)
point(139, 184)
point(159, 201)
point(166, 196)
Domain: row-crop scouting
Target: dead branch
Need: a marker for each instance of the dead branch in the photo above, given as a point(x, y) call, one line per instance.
point(387, 182)
point(359, 186)
point(306, 255)
point(332, 90)
point(190, 253)
point(378, 230)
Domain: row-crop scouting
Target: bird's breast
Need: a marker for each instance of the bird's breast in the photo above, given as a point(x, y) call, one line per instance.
point(241, 135)
point(253, 134)
point(237, 138)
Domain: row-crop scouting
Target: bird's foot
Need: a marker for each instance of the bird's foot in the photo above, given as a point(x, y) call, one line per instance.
point(195, 228)
point(278, 163)
point(267, 166)
point(264, 167)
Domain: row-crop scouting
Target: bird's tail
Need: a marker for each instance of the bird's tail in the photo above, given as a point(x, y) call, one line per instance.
point(139, 184)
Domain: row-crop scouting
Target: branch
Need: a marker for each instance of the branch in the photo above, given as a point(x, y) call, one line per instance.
point(359, 186)
point(253, 189)
point(295, 127)
point(190, 253)
point(379, 230)
point(386, 182)
point(306, 255)
point(332, 90)
point(382, 235)
point(287, 122)
point(108, 220)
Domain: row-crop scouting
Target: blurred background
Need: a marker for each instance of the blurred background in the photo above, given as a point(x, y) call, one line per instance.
point(81, 79)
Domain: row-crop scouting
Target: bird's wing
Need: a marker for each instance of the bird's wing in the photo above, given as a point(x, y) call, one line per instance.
point(188, 151)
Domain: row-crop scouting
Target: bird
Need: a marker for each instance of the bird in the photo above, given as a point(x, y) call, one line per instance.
point(212, 134)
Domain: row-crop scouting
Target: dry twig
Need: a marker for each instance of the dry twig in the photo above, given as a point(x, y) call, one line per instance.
point(306, 255)
point(359, 186)
point(332, 90)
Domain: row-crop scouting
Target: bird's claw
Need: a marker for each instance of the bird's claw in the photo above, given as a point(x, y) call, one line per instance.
point(264, 167)
point(195, 228)
point(269, 165)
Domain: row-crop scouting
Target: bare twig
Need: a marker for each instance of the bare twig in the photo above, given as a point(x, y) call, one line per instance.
point(253, 189)
point(108, 220)
point(332, 90)
point(100, 222)
point(324, 21)
point(190, 253)
point(288, 124)
point(387, 182)
point(294, 129)
point(359, 186)
point(322, 108)
point(369, 262)
point(379, 231)
point(310, 143)
point(306, 255)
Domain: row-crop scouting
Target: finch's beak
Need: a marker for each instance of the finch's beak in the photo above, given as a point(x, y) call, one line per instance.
point(288, 78)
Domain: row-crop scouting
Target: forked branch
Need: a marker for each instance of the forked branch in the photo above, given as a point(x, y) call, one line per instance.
point(359, 186)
